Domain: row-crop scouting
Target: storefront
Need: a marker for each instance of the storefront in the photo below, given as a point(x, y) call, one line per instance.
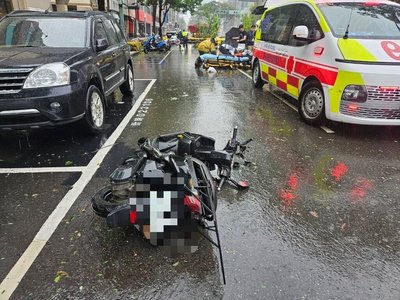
point(5, 7)
point(145, 22)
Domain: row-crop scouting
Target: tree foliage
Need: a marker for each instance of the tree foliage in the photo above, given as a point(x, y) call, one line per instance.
point(164, 7)
point(249, 19)
point(207, 17)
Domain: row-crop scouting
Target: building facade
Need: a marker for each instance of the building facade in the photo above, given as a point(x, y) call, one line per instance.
point(137, 22)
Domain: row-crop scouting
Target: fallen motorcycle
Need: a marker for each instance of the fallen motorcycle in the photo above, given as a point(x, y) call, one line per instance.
point(166, 190)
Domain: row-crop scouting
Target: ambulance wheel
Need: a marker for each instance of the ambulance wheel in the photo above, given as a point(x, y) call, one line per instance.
point(257, 80)
point(312, 103)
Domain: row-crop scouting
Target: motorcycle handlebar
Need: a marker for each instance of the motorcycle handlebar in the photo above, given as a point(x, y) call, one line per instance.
point(246, 142)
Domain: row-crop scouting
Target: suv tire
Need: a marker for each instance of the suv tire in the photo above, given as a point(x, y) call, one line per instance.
point(128, 86)
point(94, 118)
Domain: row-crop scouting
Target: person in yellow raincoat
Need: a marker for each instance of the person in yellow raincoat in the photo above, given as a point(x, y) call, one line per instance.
point(207, 46)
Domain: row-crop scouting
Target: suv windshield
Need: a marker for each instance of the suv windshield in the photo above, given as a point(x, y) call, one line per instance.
point(43, 32)
point(366, 20)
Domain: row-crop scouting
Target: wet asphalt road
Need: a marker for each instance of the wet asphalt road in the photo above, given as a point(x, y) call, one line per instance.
point(321, 219)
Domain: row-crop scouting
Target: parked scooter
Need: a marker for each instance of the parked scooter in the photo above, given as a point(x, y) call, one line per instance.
point(152, 44)
point(166, 190)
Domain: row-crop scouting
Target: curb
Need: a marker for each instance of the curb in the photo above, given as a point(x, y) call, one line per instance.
point(134, 52)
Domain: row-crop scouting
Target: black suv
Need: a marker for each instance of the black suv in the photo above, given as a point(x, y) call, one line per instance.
point(57, 68)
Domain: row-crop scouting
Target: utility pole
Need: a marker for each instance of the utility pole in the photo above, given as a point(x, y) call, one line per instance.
point(121, 5)
point(121, 16)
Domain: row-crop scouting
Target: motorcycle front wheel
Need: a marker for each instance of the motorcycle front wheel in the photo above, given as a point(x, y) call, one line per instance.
point(103, 202)
point(206, 187)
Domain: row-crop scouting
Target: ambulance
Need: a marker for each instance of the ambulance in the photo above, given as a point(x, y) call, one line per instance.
point(339, 59)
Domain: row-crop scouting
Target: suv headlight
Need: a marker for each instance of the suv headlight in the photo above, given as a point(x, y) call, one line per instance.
point(356, 93)
point(53, 74)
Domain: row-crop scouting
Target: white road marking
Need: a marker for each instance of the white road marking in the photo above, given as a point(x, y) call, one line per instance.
point(14, 277)
point(324, 128)
point(165, 57)
point(327, 130)
point(284, 101)
point(245, 74)
point(41, 170)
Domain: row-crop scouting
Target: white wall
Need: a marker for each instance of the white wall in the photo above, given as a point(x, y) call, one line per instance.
point(37, 4)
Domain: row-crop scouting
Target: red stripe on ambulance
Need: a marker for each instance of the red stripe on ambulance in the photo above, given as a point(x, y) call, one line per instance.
point(272, 72)
point(293, 81)
point(282, 85)
point(324, 76)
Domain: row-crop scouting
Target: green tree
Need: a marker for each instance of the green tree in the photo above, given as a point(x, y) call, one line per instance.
point(208, 16)
point(164, 7)
point(249, 19)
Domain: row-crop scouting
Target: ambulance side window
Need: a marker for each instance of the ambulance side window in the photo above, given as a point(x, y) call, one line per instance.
point(305, 16)
point(277, 25)
point(266, 24)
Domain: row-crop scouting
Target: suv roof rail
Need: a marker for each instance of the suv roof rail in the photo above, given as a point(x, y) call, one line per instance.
point(15, 12)
point(77, 13)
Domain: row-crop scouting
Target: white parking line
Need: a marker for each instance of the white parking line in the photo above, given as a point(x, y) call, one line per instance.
point(327, 130)
point(245, 74)
point(165, 57)
point(284, 101)
point(324, 128)
point(41, 170)
point(14, 277)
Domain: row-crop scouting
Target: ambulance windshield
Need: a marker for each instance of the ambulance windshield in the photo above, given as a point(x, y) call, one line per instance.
point(365, 20)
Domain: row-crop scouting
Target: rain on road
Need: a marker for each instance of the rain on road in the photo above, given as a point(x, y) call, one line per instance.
point(320, 220)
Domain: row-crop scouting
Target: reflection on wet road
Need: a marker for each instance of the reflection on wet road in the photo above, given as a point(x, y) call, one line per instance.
point(320, 221)
point(64, 146)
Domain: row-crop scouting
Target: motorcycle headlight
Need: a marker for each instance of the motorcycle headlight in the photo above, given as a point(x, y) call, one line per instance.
point(48, 75)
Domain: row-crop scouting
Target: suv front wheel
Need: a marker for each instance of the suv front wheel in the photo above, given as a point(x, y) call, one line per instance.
point(94, 112)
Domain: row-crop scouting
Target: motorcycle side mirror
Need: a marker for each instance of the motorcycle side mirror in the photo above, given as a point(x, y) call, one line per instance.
point(141, 141)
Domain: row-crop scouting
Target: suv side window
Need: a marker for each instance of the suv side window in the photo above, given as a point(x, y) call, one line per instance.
point(111, 33)
point(305, 16)
point(277, 25)
point(119, 32)
point(99, 31)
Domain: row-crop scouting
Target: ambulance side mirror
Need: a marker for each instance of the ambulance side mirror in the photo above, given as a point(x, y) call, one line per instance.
point(301, 33)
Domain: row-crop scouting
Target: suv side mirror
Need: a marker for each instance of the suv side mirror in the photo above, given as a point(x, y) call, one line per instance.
point(300, 33)
point(101, 44)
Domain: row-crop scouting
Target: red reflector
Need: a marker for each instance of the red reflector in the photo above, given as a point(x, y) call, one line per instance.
point(388, 88)
point(193, 203)
point(132, 217)
point(318, 50)
point(352, 107)
point(371, 3)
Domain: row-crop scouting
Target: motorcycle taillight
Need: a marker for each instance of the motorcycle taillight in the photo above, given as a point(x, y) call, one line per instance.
point(132, 216)
point(193, 203)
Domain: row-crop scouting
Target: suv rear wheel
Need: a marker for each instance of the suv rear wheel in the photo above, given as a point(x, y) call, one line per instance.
point(95, 112)
point(128, 86)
